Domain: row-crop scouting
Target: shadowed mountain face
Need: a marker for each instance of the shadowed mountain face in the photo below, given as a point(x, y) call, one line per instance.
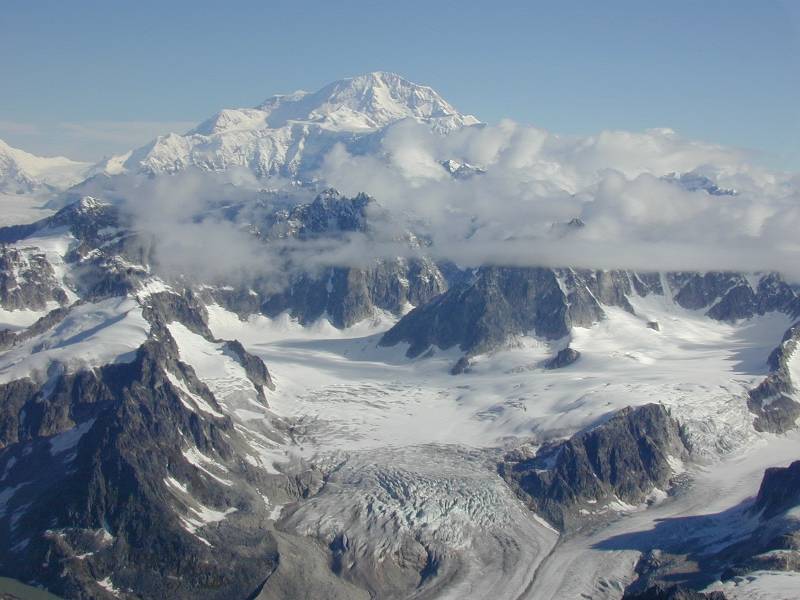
point(132, 460)
point(622, 460)
point(220, 378)
point(344, 295)
point(672, 592)
point(779, 491)
point(152, 475)
point(772, 400)
point(483, 314)
point(760, 534)
point(499, 303)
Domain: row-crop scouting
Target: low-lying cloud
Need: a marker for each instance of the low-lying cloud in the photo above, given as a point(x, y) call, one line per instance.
point(527, 184)
point(614, 183)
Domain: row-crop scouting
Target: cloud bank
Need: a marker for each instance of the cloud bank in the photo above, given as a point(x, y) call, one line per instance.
point(615, 183)
point(523, 186)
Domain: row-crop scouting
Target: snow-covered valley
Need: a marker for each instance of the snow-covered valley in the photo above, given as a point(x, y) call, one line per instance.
point(367, 408)
point(350, 393)
point(220, 377)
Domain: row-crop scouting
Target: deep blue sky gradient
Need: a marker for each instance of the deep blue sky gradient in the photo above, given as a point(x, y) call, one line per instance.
point(722, 71)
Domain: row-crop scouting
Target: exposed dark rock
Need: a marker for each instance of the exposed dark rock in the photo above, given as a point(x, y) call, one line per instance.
point(345, 294)
point(106, 259)
point(609, 288)
point(696, 291)
point(730, 296)
point(107, 498)
point(54, 317)
point(711, 552)
point(773, 400)
point(495, 304)
point(623, 458)
point(672, 592)
point(499, 303)
point(564, 358)
point(774, 294)
point(163, 308)
point(693, 182)
point(647, 283)
point(738, 303)
point(461, 170)
point(654, 325)
point(481, 315)
point(330, 211)
point(767, 561)
point(348, 295)
point(462, 366)
point(775, 412)
point(254, 367)
point(779, 491)
point(27, 280)
point(166, 307)
point(14, 395)
point(84, 218)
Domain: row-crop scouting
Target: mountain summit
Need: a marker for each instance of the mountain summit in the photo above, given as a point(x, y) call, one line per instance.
point(368, 101)
point(21, 171)
point(290, 134)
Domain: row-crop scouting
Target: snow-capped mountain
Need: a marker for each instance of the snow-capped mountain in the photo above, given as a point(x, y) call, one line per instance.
point(288, 134)
point(340, 409)
point(23, 172)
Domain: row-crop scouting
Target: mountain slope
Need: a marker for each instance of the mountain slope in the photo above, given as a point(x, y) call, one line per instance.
point(286, 423)
point(288, 135)
point(21, 171)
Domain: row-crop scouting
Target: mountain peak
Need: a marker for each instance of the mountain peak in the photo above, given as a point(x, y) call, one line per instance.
point(22, 171)
point(289, 134)
point(368, 101)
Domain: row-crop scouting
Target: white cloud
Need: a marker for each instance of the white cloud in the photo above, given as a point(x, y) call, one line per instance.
point(612, 181)
point(510, 215)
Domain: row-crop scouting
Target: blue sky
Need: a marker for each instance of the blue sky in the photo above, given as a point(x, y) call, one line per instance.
point(88, 78)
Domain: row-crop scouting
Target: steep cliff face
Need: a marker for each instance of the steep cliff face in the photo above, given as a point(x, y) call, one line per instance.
point(348, 295)
point(774, 401)
point(621, 460)
point(482, 314)
point(343, 294)
point(28, 280)
point(134, 469)
point(779, 491)
point(497, 304)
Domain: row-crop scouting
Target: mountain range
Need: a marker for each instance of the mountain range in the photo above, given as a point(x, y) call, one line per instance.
point(222, 378)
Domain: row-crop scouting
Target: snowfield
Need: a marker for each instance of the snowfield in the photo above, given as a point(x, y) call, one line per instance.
point(349, 393)
point(379, 473)
point(91, 335)
point(386, 423)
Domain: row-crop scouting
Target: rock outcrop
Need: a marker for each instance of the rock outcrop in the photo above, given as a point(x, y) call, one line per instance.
point(497, 304)
point(621, 460)
point(773, 401)
point(562, 359)
point(672, 592)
